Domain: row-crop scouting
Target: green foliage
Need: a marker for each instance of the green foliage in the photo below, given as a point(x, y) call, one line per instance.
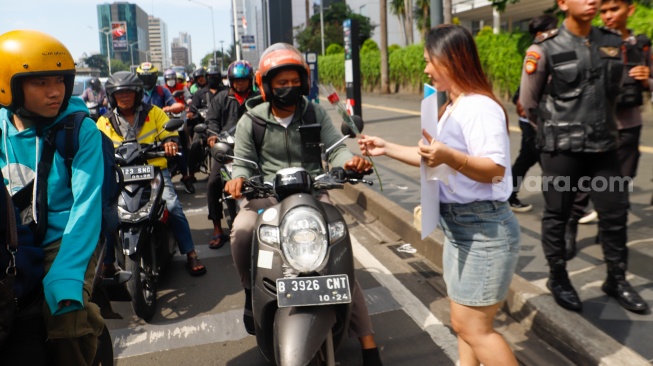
point(641, 22)
point(334, 49)
point(500, 5)
point(99, 61)
point(501, 57)
point(331, 70)
point(309, 37)
point(369, 46)
point(117, 65)
point(393, 47)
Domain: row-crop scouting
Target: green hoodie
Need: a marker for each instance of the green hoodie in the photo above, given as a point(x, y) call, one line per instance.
point(281, 147)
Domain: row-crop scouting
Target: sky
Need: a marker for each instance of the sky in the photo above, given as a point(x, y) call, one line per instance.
point(74, 22)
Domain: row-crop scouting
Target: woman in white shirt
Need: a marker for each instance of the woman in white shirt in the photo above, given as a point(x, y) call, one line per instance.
point(481, 233)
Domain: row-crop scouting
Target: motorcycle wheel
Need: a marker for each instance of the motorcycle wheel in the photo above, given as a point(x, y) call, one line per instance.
point(104, 353)
point(142, 285)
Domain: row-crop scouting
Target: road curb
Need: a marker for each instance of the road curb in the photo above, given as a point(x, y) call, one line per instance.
point(568, 332)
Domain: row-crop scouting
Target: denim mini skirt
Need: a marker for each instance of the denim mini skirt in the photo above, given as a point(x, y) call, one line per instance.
point(481, 250)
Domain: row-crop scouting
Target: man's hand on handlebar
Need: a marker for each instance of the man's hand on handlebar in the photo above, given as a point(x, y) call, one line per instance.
point(358, 163)
point(170, 148)
point(234, 187)
point(190, 115)
point(212, 140)
point(175, 108)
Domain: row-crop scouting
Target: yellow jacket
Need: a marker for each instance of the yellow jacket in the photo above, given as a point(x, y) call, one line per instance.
point(150, 121)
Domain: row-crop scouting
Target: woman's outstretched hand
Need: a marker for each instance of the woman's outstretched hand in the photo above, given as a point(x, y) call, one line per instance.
point(372, 145)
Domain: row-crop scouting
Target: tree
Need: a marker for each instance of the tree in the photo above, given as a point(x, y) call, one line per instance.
point(98, 61)
point(500, 5)
point(308, 37)
point(118, 65)
point(422, 16)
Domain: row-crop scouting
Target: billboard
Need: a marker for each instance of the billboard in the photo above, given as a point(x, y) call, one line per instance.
point(119, 36)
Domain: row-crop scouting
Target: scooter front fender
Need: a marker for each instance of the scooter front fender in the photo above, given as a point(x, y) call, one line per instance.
point(299, 333)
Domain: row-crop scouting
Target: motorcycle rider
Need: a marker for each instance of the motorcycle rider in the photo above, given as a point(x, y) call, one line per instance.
point(156, 94)
point(95, 92)
point(162, 98)
point(199, 80)
point(224, 112)
point(128, 121)
point(37, 84)
point(173, 85)
point(211, 81)
point(283, 78)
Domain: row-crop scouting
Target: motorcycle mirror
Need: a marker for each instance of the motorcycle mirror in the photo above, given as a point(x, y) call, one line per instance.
point(358, 121)
point(200, 128)
point(222, 152)
point(173, 124)
point(178, 93)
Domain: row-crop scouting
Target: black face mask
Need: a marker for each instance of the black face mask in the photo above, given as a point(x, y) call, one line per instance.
point(214, 83)
point(287, 97)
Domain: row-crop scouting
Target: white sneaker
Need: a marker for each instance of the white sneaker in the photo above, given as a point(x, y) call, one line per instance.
point(589, 218)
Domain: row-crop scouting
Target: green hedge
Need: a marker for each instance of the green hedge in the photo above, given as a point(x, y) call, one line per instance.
point(501, 56)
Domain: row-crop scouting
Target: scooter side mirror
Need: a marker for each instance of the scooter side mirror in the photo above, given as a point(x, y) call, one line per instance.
point(173, 124)
point(178, 93)
point(200, 128)
point(222, 152)
point(346, 130)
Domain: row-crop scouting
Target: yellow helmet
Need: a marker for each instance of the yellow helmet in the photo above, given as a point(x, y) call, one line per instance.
point(148, 73)
point(32, 53)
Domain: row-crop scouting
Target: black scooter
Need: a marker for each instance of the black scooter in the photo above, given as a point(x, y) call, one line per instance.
point(302, 262)
point(146, 245)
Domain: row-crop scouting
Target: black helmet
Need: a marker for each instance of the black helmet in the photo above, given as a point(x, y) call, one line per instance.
point(149, 74)
point(199, 72)
point(95, 83)
point(122, 80)
point(213, 71)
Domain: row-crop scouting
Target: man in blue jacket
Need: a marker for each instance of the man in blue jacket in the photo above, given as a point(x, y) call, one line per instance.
point(36, 82)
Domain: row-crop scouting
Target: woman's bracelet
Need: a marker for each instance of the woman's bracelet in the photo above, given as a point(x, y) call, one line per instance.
point(464, 163)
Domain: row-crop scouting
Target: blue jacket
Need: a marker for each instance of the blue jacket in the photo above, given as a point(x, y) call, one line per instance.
point(74, 213)
point(160, 100)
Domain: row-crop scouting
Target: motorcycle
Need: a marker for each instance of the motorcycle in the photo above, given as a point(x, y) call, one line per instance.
point(145, 240)
point(230, 206)
point(95, 110)
point(302, 262)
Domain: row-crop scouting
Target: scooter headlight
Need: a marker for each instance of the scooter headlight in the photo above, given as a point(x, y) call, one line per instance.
point(304, 238)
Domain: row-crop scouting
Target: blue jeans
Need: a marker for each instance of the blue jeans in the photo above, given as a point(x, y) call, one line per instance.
point(177, 221)
point(481, 249)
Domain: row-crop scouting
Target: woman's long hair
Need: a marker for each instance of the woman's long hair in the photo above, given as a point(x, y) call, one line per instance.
point(454, 49)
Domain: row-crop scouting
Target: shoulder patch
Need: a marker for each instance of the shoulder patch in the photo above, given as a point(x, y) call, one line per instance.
point(546, 35)
point(609, 51)
point(530, 63)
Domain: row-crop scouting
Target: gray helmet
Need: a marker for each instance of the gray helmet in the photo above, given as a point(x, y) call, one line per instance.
point(122, 80)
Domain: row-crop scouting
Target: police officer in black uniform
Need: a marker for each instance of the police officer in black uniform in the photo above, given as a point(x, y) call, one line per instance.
point(570, 81)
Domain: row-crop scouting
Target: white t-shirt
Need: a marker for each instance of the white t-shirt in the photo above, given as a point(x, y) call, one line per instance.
point(285, 122)
point(477, 127)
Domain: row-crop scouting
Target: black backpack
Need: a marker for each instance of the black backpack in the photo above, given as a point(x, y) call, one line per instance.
point(64, 139)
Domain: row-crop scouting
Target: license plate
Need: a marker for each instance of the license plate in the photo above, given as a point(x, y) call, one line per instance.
point(139, 172)
point(311, 291)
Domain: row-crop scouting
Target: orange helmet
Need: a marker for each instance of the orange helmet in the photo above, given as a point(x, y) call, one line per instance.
point(277, 57)
point(27, 53)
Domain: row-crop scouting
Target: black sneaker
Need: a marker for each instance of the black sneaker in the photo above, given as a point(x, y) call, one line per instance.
point(188, 185)
point(517, 206)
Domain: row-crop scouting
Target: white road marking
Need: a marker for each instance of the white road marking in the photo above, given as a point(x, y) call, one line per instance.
point(439, 333)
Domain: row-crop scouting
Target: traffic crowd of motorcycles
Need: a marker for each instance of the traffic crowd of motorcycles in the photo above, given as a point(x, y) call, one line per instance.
point(301, 294)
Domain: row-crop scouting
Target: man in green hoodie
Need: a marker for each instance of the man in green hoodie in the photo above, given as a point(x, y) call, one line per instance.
point(36, 81)
point(283, 79)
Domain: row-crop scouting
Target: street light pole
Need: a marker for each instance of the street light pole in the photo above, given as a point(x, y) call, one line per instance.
point(131, 50)
point(222, 55)
point(106, 32)
point(212, 26)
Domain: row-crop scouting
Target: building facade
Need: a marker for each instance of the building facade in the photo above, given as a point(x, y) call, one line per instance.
point(159, 47)
point(124, 32)
point(179, 43)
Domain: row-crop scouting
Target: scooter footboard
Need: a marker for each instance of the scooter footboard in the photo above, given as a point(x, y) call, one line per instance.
point(299, 333)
